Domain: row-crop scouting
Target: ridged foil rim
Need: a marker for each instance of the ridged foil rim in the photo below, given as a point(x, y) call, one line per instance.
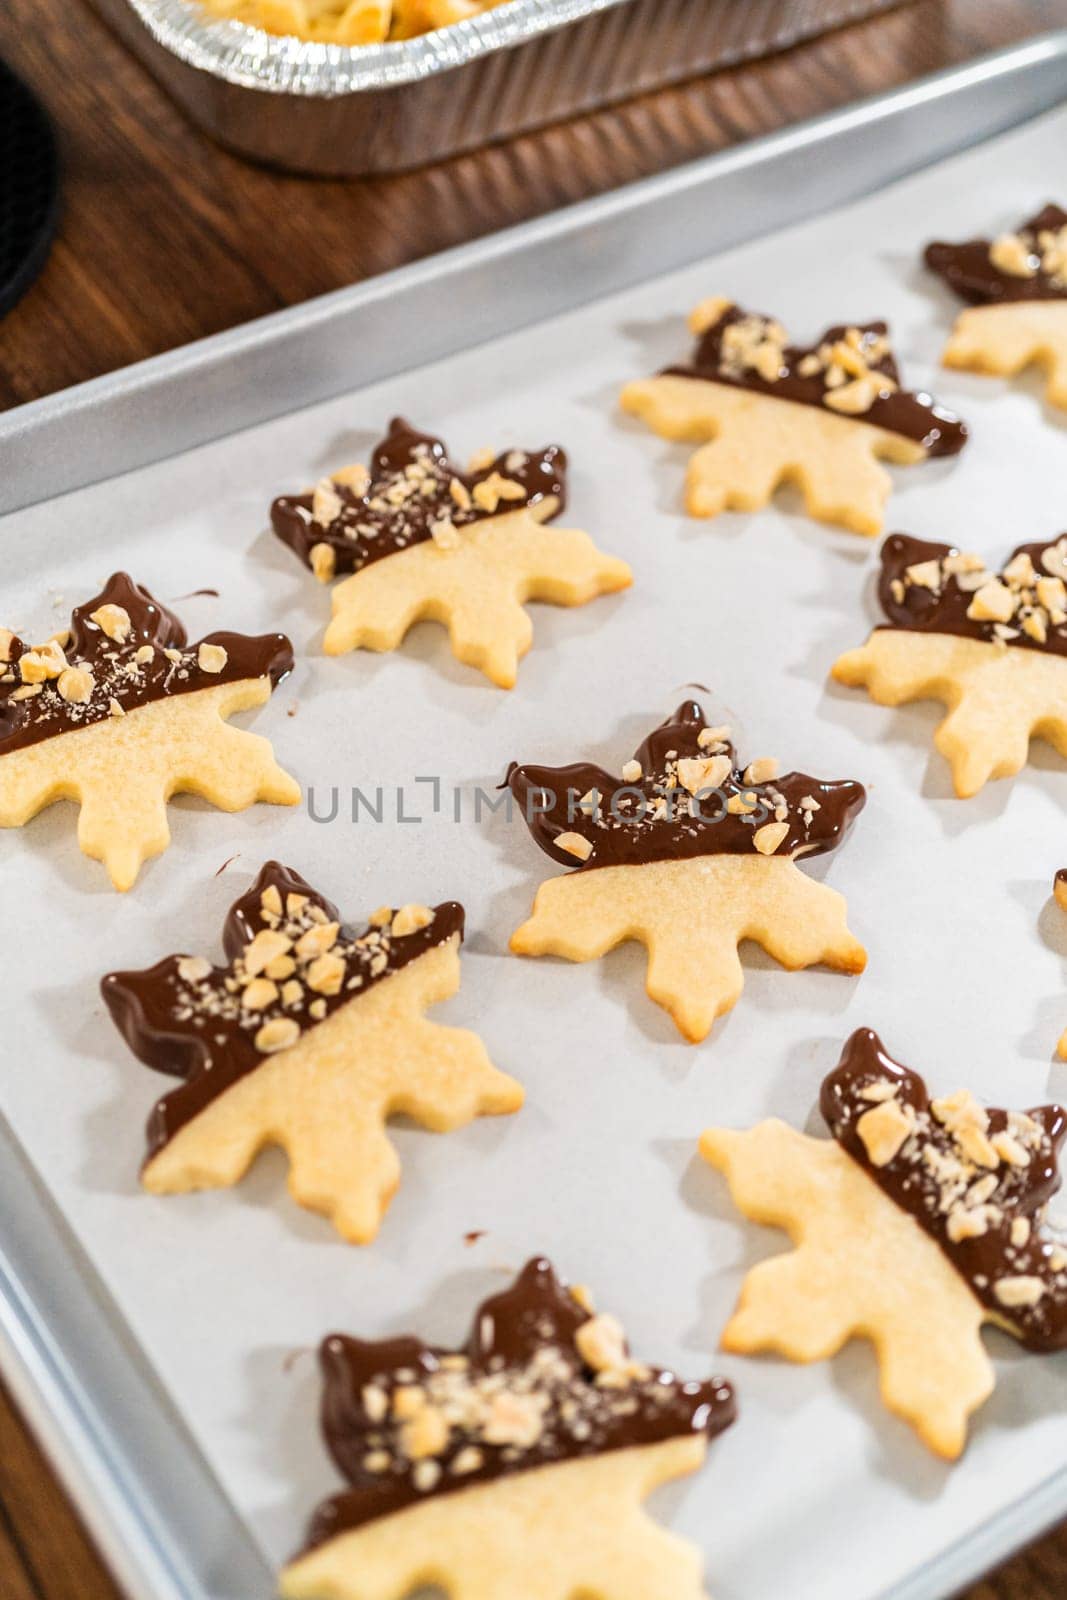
point(255, 59)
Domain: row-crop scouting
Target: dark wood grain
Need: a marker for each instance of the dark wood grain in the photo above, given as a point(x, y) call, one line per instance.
point(166, 237)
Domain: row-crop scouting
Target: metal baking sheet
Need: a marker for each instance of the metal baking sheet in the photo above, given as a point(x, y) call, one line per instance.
point(381, 108)
point(179, 1407)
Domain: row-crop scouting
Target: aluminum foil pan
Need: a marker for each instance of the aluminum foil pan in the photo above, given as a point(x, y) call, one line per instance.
point(343, 111)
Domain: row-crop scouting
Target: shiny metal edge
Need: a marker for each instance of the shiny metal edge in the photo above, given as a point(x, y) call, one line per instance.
point(156, 1512)
point(341, 341)
point(284, 65)
point(122, 1451)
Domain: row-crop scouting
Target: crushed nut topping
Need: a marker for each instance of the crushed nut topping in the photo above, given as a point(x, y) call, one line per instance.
point(935, 587)
point(412, 493)
point(977, 1179)
point(683, 794)
point(104, 666)
point(541, 1379)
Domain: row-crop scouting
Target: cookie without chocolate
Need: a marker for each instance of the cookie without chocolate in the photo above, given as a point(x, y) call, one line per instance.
point(690, 854)
point(118, 712)
point(920, 1220)
point(773, 413)
point(309, 1037)
point(415, 540)
point(1017, 288)
point(991, 646)
point(513, 1467)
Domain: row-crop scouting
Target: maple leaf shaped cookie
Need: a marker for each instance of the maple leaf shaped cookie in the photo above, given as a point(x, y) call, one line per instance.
point(690, 855)
point(119, 712)
point(512, 1469)
point(309, 1037)
point(422, 541)
point(920, 1220)
point(774, 413)
point(1017, 288)
point(991, 646)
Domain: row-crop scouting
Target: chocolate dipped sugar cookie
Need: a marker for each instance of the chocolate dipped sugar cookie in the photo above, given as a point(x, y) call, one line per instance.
point(309, 1036)
point(1016, 289)
point(766, 413)
point(416, 539)
point(992, 646)
point(118, 712)
point(690, 853)
point(515, 1466)
point(918, 1221)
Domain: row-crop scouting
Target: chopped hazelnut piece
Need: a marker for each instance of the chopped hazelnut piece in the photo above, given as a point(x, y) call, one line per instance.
point(271, 901)
point(770, 836)
point(326, 503)
point(75, 685)
point(884, 1130)
point(326, 974)
point(490, 491)
point(317, 940)
point(632, 772)
point(144, 654)
point(193, 969)
point(1023, 1290)
point(425, 1434)
point(994, 602)
point(356, 477)
point(710, 736)
point(277, 1034)
point(267, 944)
point(280, 967)
point(375, 1402)
point(38, 666)
point(1054, 559)
point(323, 561)
point(515, 1419)
point(382, 917)
point(115, 708)
point(601, 1343)
point(409, 919)
point(924, 574)
point(259, 994)
point(574, 845)
point(762, 770)
point(426, 1475)
point(460, 494)
point(1051, 593)
point(114, 621)
point(708, 772)
point(708, 313)
point(7, 639)
point(469, 1459)
point(211, 658)
point(854, 398)
point(1010, 1150)
point(1009, 253)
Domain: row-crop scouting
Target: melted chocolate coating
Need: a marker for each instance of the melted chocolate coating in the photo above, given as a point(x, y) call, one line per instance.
point(197, 1030)
point(523, 1341)
point(924, 610)
point(968, 269)
point(620, 836)
point(916, 416)
point(371, 525)
point(116, 674)
point(909, 1179)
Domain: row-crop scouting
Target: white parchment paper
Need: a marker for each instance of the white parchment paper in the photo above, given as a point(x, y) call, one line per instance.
point(817, 1492)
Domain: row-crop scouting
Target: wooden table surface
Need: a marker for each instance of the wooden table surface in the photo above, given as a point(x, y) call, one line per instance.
point(165, 237)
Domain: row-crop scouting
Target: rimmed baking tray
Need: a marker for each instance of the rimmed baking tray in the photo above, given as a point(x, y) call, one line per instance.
point(382, 108)
point(89, 1386)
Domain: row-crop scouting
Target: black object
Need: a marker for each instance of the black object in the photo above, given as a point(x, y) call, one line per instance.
point(29, 188)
